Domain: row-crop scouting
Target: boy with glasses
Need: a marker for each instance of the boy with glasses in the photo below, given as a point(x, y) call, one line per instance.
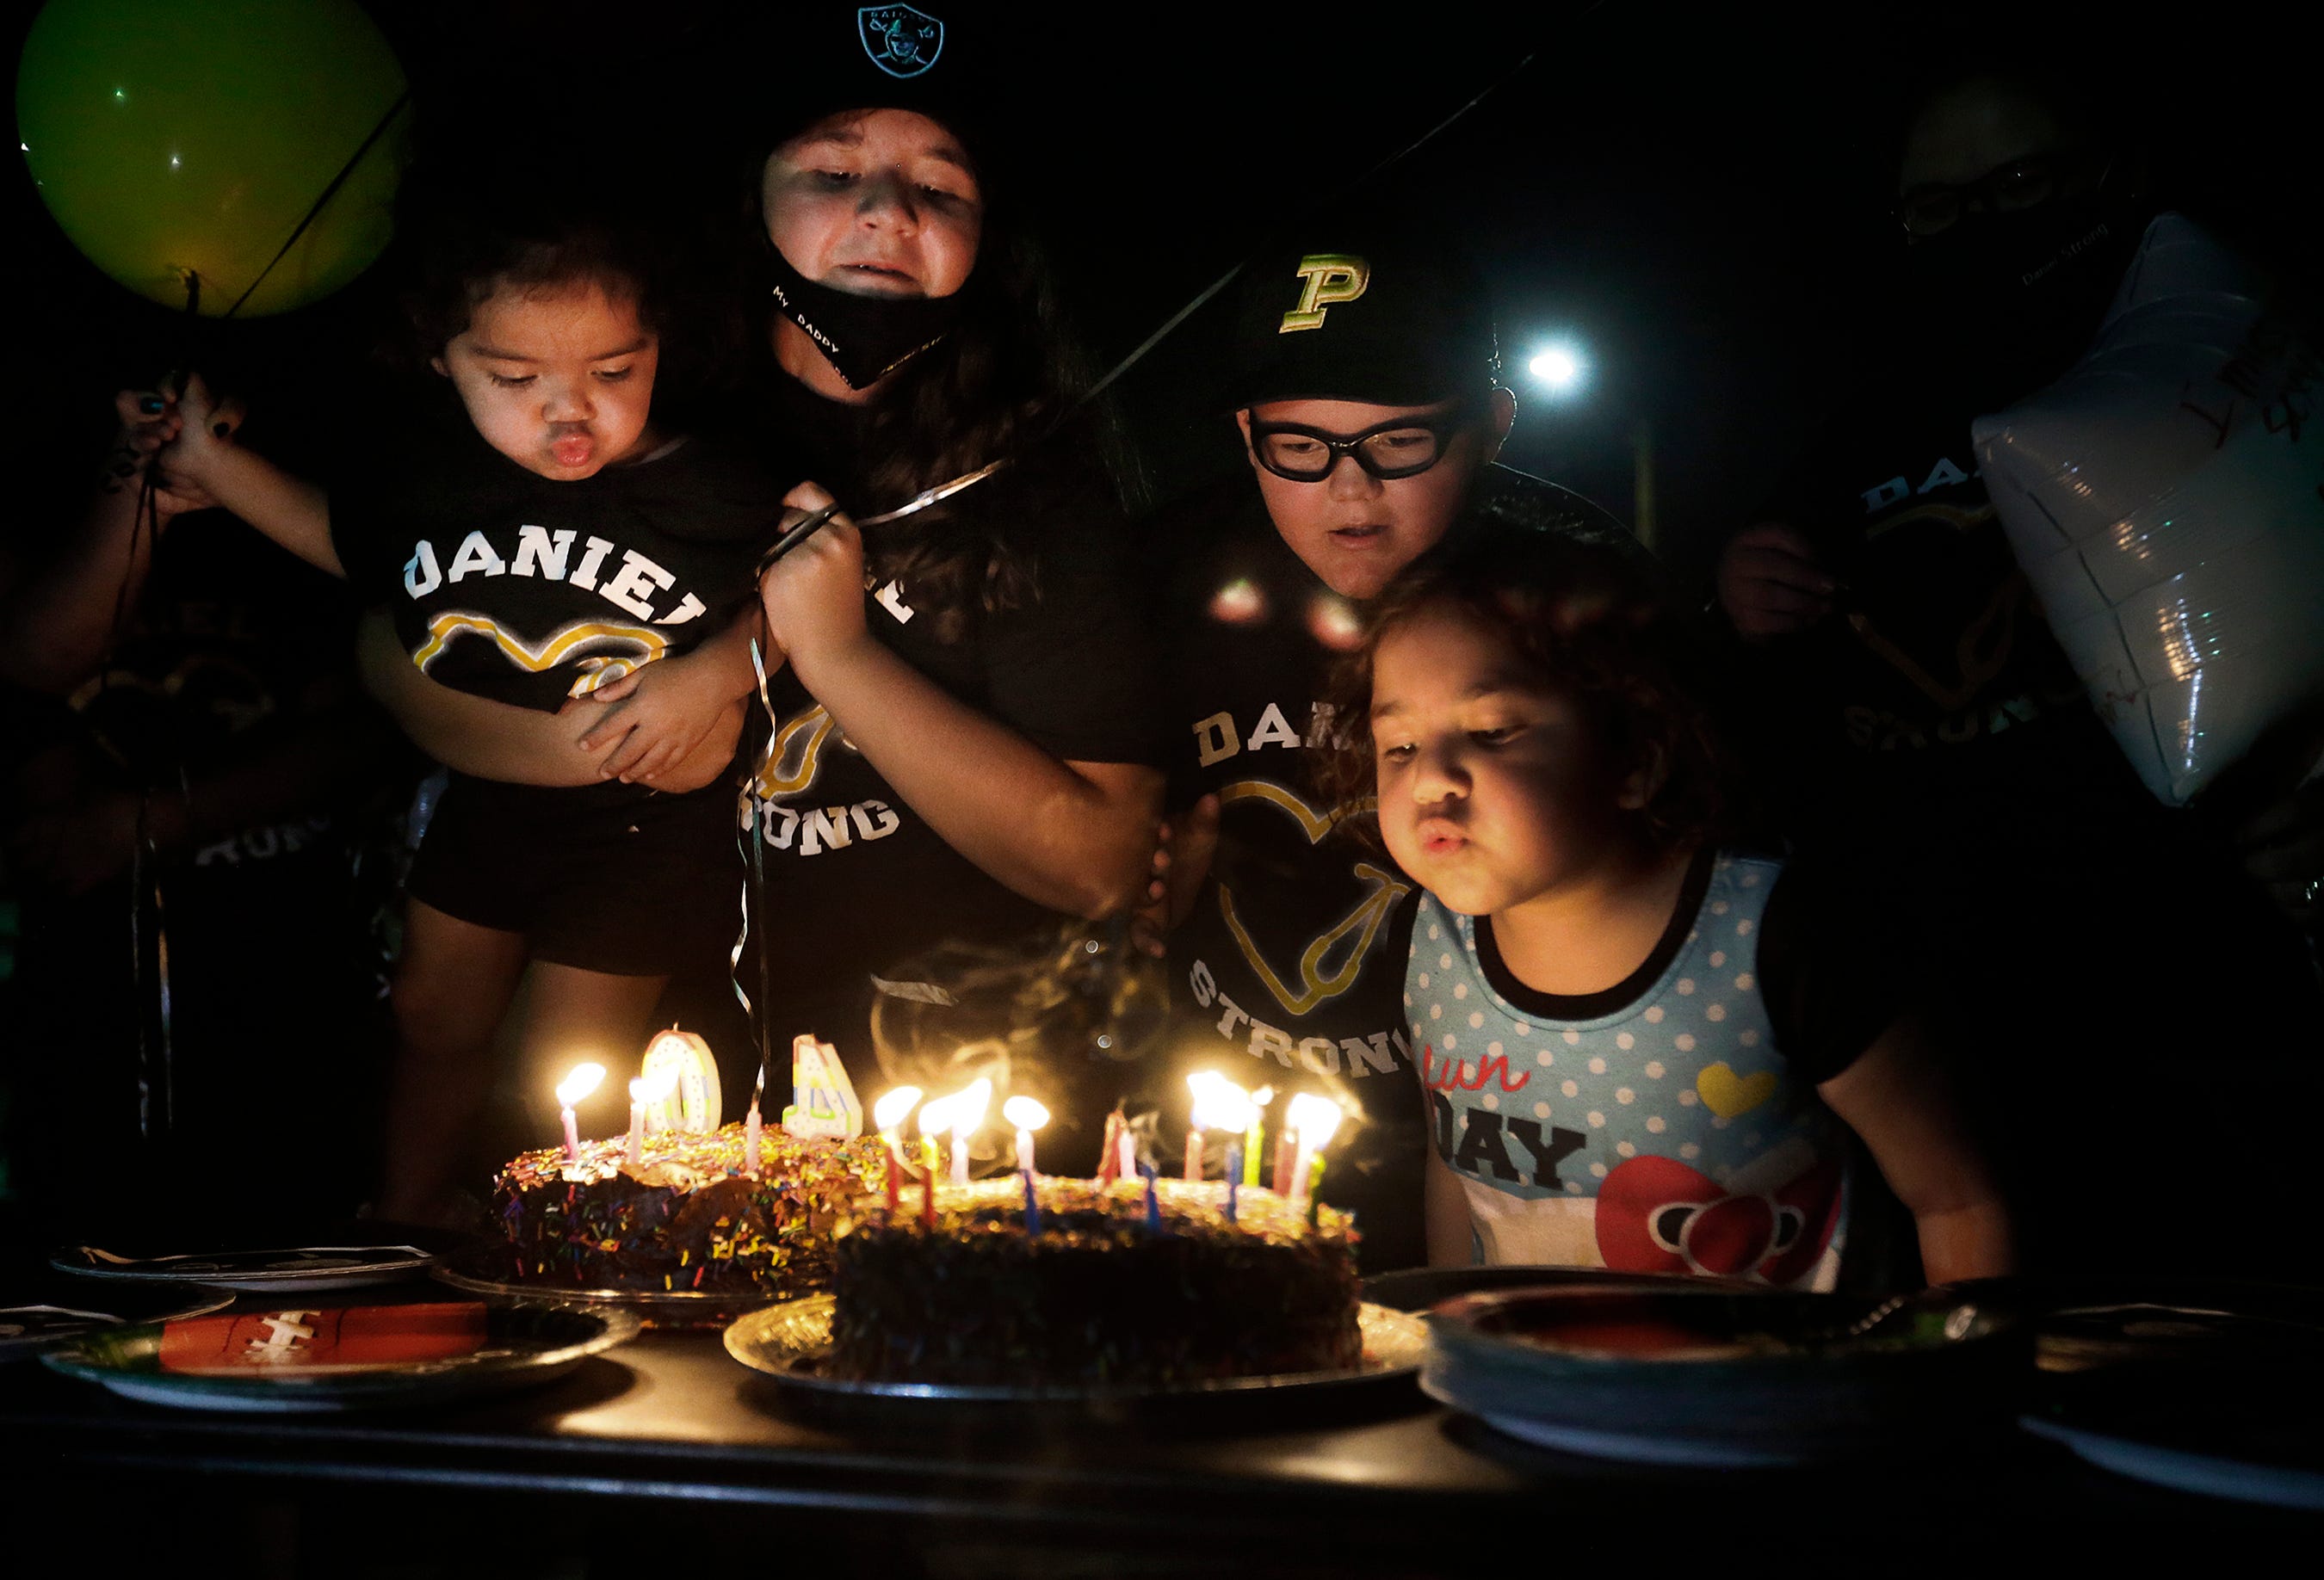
point(1368, 402)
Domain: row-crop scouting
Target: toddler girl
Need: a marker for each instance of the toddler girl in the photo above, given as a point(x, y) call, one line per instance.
point(1641, 1051)
point(534, 538)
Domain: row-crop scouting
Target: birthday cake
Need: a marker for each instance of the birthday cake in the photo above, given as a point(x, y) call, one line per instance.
point(683, 1217)
point(1100, 1291)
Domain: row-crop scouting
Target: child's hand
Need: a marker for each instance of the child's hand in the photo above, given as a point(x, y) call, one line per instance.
point(155, 428)
point(661, 712)
point(814, 595)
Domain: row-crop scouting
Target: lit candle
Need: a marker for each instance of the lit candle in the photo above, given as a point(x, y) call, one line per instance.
point(1032, 1206)
point(1287, 1152)
point(1315, 1120)
point(1109, 1153)
point(1251, 1152)
point(751, 1127)
point(935, 1115)
point(1234, 1180)
point(1027, 1115)
point(1219, 1105)
point(964, 1109)
point(574, 1086)
point(1125, 1153)
point(888, 1116)
point(644, 1092)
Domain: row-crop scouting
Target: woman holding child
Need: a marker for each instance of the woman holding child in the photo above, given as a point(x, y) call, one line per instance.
point(950, 746)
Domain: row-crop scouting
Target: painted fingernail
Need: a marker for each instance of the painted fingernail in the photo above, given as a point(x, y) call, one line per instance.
point(151, 405)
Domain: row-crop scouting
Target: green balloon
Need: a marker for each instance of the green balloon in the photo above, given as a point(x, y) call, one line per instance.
point(179, 143)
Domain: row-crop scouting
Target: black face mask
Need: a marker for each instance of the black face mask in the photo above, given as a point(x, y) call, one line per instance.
point(2015, 297)
point(864, 338)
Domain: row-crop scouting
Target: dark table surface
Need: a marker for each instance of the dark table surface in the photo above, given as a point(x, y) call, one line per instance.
point(1374, 1480)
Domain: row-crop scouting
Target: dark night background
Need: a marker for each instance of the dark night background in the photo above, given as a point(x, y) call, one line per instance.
point(1696, 196)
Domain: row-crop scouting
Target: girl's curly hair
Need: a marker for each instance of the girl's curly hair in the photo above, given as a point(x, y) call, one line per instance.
point(1595, 623)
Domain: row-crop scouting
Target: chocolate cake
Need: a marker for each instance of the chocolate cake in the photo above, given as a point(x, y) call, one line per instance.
point(686, 1218)
point(1099, 1295)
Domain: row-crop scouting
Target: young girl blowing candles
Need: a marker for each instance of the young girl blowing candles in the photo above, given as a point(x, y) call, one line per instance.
point(1641, 1051)
point(534, 538)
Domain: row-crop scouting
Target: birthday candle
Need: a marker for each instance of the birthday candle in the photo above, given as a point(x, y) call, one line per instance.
point(645, 1091)
point(1287, 1156)
point(1315, 1120)
point(1109, 1156)
point(1153, 1204)
point(888, 1114)
point(1251, 1152)
point(1193, 1152)
point(1126, 1144)
point(579, 1084)
point(751, 1139)
point(964, 1109)
point(927, 1183)
point(1234, 1180)
point(1032, 1206)
point(1027, 1115)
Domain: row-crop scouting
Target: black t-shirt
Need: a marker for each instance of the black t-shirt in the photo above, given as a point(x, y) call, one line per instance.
point(1937, 675)
point(2083, 940)
point(1289, 970)
point(862, 891)
point(1831, 979)
point(527, 590)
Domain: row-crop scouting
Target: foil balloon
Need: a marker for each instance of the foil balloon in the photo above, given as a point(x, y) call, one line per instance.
point(233, 156)
point(2165, 499)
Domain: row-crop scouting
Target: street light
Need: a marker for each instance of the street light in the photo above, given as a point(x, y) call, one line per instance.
point(1559, 367)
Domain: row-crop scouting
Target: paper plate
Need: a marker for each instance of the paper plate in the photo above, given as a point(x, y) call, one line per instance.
point(523, 1346)
point(1713, 1376)
point(2212, 1387)
point(789, 1342)
point(271, 1270)
point(45, 1317)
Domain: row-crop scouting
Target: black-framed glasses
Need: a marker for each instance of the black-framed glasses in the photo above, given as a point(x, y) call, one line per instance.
point(1403, 446)
point(1934, 208)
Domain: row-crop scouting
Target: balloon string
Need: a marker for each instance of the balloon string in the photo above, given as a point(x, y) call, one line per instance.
point(330, 192)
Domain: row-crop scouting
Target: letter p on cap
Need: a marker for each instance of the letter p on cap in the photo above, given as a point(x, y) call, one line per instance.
point(1325, 277)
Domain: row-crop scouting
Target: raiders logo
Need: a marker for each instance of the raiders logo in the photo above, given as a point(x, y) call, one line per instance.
point(900, 40)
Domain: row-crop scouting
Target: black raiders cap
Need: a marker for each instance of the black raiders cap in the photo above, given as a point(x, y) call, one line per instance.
point(943, 58)
point(1355, 312)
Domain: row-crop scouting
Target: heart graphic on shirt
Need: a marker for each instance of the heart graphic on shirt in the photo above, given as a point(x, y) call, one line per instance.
point(1332, 960)
point(1727, 1094)
point(1657, 1215)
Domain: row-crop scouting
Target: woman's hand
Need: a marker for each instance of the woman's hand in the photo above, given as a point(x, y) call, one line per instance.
point(814, 595)
point(1182, 859)
point(1771, 583)
point(660, 713)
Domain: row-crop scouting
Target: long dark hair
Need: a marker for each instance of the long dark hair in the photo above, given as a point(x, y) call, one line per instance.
point(996, 385)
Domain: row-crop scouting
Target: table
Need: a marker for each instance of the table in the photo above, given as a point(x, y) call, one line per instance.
point(666, 1445)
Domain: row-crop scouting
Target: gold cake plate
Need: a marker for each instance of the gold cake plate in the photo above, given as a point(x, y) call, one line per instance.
point(790, 1342)
point(483, 1272)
